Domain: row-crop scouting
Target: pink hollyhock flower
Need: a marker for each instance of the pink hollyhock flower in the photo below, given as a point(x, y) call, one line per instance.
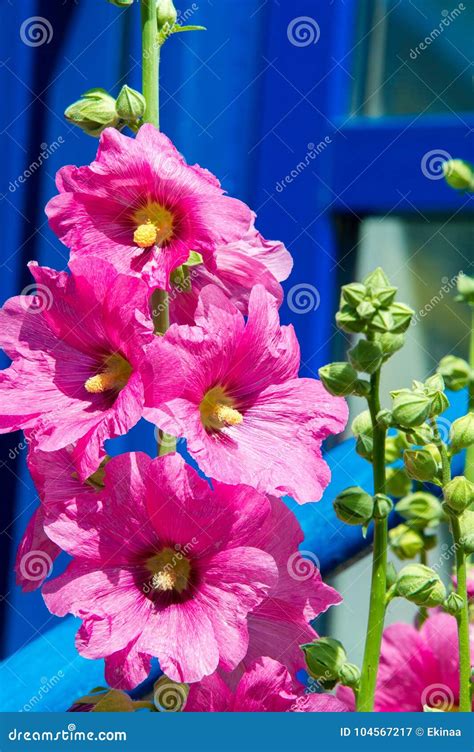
point(61, 494)
point(244, 412)
point(265, 687)
point(280, 624)
point(78, 351)
point(239, 267)
point(141, 207)
point(167, 571)
point(417, 668)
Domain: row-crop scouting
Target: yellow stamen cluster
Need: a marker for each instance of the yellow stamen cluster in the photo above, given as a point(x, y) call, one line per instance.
point(218, 410)
point(170, 570)
point(115, 375)
point(154, 225)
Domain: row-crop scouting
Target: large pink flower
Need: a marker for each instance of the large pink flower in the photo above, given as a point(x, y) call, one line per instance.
point(78, 349)
point(417, 667)
point(265, 687)
point(244, 412)
point(167, 571)
point(140, 206)
point(239, 267)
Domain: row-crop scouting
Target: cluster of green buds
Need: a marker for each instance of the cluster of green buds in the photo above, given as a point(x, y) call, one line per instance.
point(354, 506)
point(326, 660)
point(97, 110)
point(412, 407)
point(459, 174)
point(368, 308)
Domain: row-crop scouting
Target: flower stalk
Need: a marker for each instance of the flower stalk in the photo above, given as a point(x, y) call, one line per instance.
point(368, 679)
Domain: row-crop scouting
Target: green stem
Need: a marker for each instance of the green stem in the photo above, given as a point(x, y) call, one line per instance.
point(469, 471)
point(368, 680)
point(461, 576)
point(462, 620)
point(151, 83)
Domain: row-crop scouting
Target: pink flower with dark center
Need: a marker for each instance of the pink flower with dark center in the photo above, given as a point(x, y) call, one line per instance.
point(244, 412)
point(266, 687)
point(78, 348)
point(167, 571)
point(141, 207)
point(239, 267)
point(418, 668)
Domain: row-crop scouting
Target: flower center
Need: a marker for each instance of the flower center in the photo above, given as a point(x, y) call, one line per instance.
point(218, 410)
point(115, 375)
point(170, 570)
point(154, 225)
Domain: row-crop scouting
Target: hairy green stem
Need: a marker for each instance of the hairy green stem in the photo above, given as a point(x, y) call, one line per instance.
point(151, 82)
point(461, 577)
point(368, 679)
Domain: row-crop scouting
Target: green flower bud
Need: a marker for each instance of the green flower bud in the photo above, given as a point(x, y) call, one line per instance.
point(390, 343)
point(376, 280)
point(459, 174)
point(121, 3)
point(453, 604)
point(93, 112)
point(406, 542)
point(458, 495)
point(365, 310)
point(420, 585)
point(420, 464)
point(455, 372)
point(465, 289)
point(422, 509)
point(362, 424)
point(384, 418)
point(382, 506)
point(349, 675)
point(366, 356)
point(382, 321)
point(362, 388)
point(338, 378)
point(325, 658)
point(433, 384)
point(462, 432)
point(130, 105)
point(409, 408)
point(354, 506)
point(402, 316)
point(385, 296)
point(352, 294)
point(397, 482)
point(348, 320)
point(439, 403)
point(166, 14)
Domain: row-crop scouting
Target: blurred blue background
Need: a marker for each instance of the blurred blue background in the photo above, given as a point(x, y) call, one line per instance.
point(330, 119)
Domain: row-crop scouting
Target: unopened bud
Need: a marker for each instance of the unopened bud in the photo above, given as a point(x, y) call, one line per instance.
point(366, 356)
point(325, 657)
point(459, 174)
point(453, 604)
point(462, 432)
point(93, 112)
point(422, 509)
point(409, 408)
point(383, 505)
point(166, 14)
point(421, 585)
point(376, 280)
point(406, 542)
point(348, 320)
point(455, 372)
point(121, 3)
point(349, 675)
point(354, 506)
point(397, 482)
point(390, 343)
point(458, 495)
point(130, 105)
point(402, 316)
point(338, 378)
point(353, 294)
point(465, 286)
point(420, 464)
